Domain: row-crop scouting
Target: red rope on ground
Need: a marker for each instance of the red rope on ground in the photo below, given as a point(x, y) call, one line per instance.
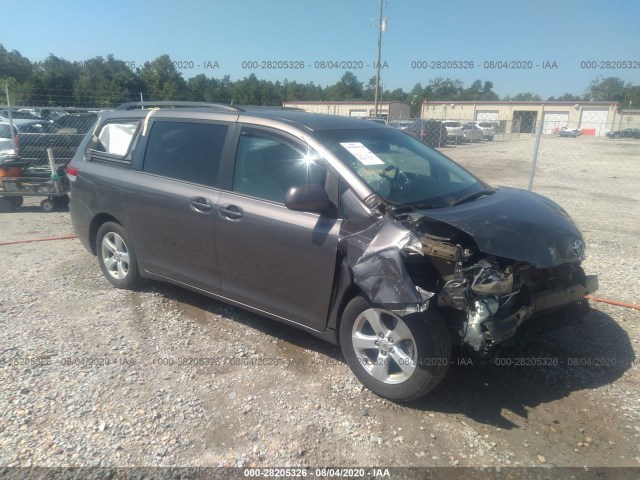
point(66, 237)
point(613, 302)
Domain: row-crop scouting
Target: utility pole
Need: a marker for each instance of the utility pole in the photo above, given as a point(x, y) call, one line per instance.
point(382, 25)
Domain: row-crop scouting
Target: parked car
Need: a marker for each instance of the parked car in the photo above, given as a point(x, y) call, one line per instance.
point(351, 231)
point(34, 137)
point(381, 120)
point(455, 132)
point(402, 125)
point(626, 133)
point(78, 122)
point(6, 142)
point(488, 130)
point(17, 114)
point(430, 132)
point(569, 132)
point(471, 132)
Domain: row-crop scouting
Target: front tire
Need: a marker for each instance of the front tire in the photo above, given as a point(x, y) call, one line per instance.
point(399, 358)
point(116, 256)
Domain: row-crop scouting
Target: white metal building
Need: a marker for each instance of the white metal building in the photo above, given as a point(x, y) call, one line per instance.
point(593, 118)
point(386, 109)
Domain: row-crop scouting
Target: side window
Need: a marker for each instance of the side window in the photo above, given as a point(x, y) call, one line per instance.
point(268, 165)
point(113, 140)
point(186, 151)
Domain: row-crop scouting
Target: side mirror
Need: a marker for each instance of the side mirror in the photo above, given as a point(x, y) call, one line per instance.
point(307, 198)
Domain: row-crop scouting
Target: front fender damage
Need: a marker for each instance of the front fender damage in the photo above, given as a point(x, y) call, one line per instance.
point(375, 257)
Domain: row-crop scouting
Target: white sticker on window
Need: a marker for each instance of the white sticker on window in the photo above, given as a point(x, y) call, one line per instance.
point(362, 153)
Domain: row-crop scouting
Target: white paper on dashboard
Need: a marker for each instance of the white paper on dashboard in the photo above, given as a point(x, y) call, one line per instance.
point(362, 153)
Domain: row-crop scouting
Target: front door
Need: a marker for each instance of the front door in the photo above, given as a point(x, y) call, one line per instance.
point(269, 257)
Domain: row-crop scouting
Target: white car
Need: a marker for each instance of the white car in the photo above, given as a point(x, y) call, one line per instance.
point(6, 142)
point(455, 132)
point(569, 132)
point(488, 130)
point(472, 132)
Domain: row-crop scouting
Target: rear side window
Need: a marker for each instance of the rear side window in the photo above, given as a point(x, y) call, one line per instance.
point(114, 139)
point(186, 151)
point(5, 131)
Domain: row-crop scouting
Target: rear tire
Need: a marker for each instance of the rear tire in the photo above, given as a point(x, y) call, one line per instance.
point(117, 257)
point(399, 358)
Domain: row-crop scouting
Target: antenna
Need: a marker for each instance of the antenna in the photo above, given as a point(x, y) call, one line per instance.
point(382, 26)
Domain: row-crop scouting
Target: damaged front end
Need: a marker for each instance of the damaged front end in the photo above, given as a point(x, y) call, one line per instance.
point(497, 296)
point(411, 259)
point(491, 296)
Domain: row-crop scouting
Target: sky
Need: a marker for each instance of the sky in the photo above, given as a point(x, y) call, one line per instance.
point(557, 46)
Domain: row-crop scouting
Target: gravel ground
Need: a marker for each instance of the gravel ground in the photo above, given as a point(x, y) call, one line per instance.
point(92, 376)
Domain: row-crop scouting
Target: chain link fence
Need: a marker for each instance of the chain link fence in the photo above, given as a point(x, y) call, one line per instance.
point(523, 137)
point(522, 132)
point(29, 131)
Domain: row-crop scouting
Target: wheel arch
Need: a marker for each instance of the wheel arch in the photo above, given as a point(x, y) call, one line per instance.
point(352, 292)
point(96, 223)
point(344, 291)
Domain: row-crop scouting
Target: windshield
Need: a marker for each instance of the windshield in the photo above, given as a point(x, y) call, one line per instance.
point(400, 169)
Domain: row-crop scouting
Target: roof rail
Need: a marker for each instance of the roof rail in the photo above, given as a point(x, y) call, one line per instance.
point(248, 108)
point(171, 104)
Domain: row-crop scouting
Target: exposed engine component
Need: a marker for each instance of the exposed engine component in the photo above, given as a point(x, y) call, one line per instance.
point(490, 281)
point(483, 310)
point(497, 291)
point(485, 292)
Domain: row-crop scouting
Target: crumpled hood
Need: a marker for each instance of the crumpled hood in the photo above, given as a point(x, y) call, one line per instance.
point(517, 224)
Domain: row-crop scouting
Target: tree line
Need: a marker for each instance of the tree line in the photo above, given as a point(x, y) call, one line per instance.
point(107, 82)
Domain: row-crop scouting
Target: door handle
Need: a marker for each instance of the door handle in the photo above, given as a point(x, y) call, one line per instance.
point(231, 212)
point(201, 204)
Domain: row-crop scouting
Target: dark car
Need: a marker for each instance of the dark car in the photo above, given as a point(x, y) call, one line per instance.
point(626, 133)
point(78, 122)
point(349, 230)
point(33, 138)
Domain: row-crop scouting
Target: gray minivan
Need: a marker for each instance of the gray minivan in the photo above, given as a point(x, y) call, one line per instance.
point(349, 230)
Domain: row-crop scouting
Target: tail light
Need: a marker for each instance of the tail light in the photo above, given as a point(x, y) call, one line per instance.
point(16, 138)
point(72, 173)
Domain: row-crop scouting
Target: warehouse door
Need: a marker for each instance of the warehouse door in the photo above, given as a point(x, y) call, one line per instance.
point(554, 121)
point(594, 121)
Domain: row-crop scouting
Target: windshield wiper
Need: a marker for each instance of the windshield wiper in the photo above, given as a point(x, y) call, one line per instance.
point(422, 206)
point(473, 196)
